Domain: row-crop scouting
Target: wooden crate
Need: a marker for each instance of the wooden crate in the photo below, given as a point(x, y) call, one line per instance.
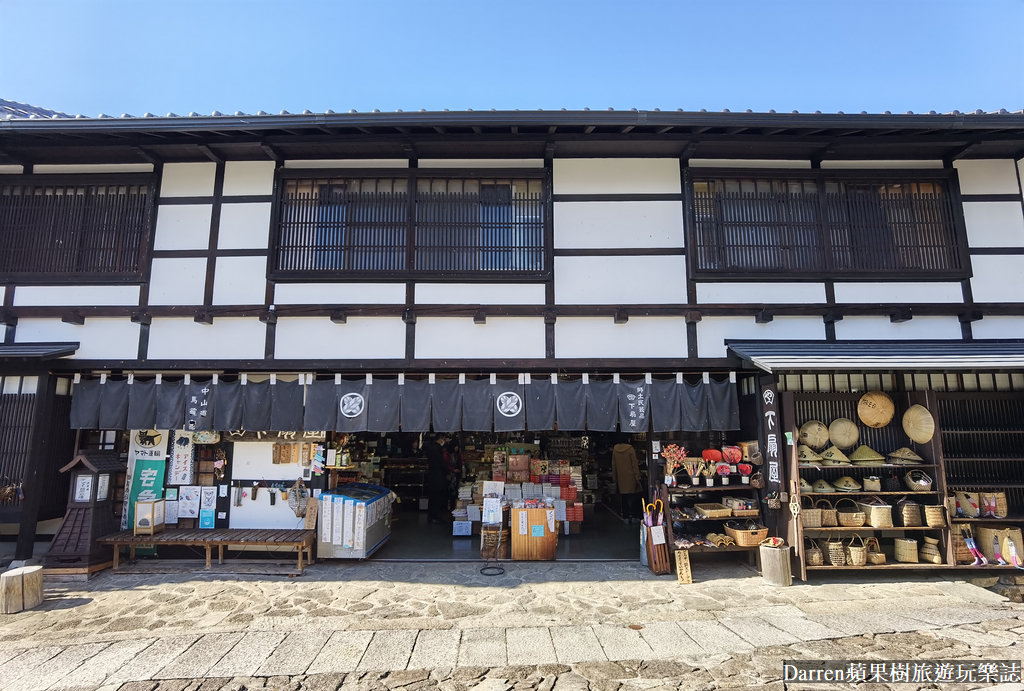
point(533, 536)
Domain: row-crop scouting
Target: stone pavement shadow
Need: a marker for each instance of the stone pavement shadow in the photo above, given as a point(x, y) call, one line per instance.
point(53, 603)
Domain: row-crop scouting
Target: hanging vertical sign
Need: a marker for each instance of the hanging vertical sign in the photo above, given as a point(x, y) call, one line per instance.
point(197, 407)
point(773, 442)
point(146, 444)
point(633, 405)
point(182, 467)
point(147, 483)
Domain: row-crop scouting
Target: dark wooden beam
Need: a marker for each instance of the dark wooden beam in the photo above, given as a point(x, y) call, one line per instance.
point(210, 153)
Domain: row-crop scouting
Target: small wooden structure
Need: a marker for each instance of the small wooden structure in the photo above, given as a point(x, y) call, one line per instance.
point(90, 512)
point(533, 535)
point(21, 589)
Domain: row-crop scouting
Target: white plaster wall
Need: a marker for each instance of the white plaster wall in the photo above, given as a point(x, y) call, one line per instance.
point(318, 338)
point(997, 279)
point(11, 170)
point(184, 227)
point(339, 293)
point(898, 292)
point(101, 338)
point(480, 293)
point(880, 328)
point(618, 224)
point(998, 327)
point(620, 280)
point(67, 296)
point(994, 224)
point(254, 460)
point(601, 337)
point(616, 176)
point(882, 164)
point(244, 226)
point(188, 179)
point(94, 168)
point(177, 281)
point(987, 176)
point(248, 177)
point(481, 163)
point(228, 338)
point(240, 281)
point(760, 293)
point(712, 331)
point(459, 337)
point(747, 163)
point(349, 163)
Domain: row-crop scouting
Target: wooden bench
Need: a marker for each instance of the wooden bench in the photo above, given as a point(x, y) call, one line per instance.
point(299, 540)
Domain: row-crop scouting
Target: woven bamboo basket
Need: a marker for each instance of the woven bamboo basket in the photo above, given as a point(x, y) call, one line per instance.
point(906, 550)
point(829, 519)
point(837, 552)
point(961, 553)
point(996, 499)
point(810, 516)
point(850, 519)
point(910, 513)
point(935, 516)
point(875, 553)
point(856, 555)
point(879, 514)
point(873, 483)
point(747, 537)
point(968, 504)
point(813, 555)
point(918, 481)
point(713, 510)
point(929, 551)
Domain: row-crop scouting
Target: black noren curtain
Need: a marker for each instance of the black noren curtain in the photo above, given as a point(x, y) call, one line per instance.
point(170, 405)
point(446, 404)
point(540, 405)
point(571, 406)
point(695, 407)
point(385, 406)
point(477, 405)
point(666, 407)
point(602, 405)
point(286, 406)
point(415, 395)
point(321, 411)
point(723, 405)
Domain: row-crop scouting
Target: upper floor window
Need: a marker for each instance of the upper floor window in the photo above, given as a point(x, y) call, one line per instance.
point(85, 228)
point(827, 223)
point(424, 223)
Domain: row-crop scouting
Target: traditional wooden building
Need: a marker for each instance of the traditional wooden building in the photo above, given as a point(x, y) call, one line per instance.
point(835, 251)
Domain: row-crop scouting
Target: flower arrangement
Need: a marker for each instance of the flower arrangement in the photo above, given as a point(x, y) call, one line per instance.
point(673, 455)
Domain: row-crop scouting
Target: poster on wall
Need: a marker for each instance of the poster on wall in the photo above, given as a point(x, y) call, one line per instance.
point(182, 467)
point(144, 443)
point(188, 501)
point(207, 498)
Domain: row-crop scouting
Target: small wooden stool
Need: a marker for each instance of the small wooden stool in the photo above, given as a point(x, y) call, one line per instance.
point(21, 589)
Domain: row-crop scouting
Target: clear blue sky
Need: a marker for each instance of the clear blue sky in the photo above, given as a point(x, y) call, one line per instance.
point(117, 56)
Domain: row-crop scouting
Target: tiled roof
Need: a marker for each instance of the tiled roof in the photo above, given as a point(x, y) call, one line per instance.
point(13, 109)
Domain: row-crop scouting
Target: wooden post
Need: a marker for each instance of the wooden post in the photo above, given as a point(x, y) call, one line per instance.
point(11, 599)
point(39, 453)
point(32, 585)
point(775, 565)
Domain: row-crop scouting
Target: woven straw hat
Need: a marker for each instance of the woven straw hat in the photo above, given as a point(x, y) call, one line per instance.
point(833, 456)
point(847, 484)
point(875, 409)
point(905, 456)
point(866, 453)
point(918, 424)
point(821, 486)
point(805, 486)
point(806, 454)
point(814, 433)
point(843, 432)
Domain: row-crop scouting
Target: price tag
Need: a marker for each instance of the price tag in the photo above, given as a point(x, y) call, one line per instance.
point(523, 522)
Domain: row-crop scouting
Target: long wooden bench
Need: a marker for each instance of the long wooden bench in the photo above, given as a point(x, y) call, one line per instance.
point(299, 540)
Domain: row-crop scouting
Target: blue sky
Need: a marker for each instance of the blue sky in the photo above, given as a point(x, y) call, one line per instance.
point(134, 56)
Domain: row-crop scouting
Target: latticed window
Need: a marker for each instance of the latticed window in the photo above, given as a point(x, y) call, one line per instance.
point(422, 223)
point(74, 227)
point(822, 223)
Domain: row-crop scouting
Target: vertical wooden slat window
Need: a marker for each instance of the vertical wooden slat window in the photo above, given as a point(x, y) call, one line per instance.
point(820, 224)
point(82, 229)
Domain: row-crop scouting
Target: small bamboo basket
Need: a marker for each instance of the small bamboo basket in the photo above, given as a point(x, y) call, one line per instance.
point(930, 551)
point(935, 516)
point(745, 537)
point(850, 519)
point(872, 483)
point(879, 514)
point(910, 513)
point(837, 552)
point(813, 555)
point(856, 555)
point(810, 516)
point(906, 550)
point(875, 553)
point(713, 510)
point(829, 519)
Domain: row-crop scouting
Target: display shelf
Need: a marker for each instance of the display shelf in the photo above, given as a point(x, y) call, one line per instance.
point(1008, 519)
point(689, 489)
point(982, 485)
point(878, 567)
point(806, 466)
point(1012, 459)
point(724, 518)
point(983, 431)
point(864, 528)
point(825, 495)
point(713, 550)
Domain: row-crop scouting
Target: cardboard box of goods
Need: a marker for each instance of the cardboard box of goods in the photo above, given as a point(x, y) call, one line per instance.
point(519, 461)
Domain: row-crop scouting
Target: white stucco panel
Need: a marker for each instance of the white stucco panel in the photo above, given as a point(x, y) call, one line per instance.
point(188, 179)
point(994, 224)
point(248, 177)
point(883, 164)
point(618, 224)
point(713, 331)
point(318, 338)
point(339, 293)
point(184, 227)
point(11, 170)
point(69, 296)
point(747, 163)
point(998, 327)
point(348, 163)
point(880, 328)
point(616, 176)
point(177, 281)
point(228, 338)
point(244, 226)
point(480, 293)
point(760, 293)
point(480, 163)
point(620, 280)
point(601, 337)
point(240, 281)
point(997, 279)
point(459, 337)
point(101, 338)
point(987, 176)
point(87, 168)
point(900, 293)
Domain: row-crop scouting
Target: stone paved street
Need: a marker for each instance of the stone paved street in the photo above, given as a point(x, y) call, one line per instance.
point(444, 625)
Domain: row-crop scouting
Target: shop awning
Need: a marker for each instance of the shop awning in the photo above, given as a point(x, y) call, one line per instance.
point(36, 351)
point(782, 356)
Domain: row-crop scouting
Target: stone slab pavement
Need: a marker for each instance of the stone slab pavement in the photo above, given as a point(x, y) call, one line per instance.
point(544, 625)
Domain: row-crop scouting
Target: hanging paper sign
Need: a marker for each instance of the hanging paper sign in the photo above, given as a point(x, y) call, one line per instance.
point(145, 443)
point(208, 498)
point(188, 501)
point(171, 512)
point(182, 467)
point(250, 435)
point(206, 519)
point(658, 535)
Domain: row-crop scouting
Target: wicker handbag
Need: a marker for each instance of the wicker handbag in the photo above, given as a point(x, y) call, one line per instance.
point(837, 552)
point(878, 512)
point(875, 553)
point(910, 513)
point(850, 519)
point(935, 516)
point(856, 555)
point(813, 555)
point(891, 484)
point(810, 517)
point(872, 483)
point(757, 480)
point(917, 481)
point(993, 504)
point(906, 550)
point(829, 518)
point(968, 504)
